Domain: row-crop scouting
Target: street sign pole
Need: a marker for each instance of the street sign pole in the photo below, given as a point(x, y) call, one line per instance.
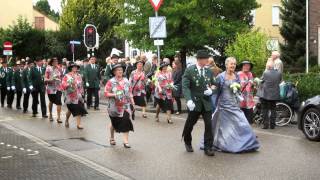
point(158, 47)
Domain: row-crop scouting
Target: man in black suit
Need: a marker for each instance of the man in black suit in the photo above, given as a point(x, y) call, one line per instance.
point(92, 78)
point(37, 87)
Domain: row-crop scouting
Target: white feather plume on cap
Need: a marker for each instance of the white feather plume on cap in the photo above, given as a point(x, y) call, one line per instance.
point(116, 52)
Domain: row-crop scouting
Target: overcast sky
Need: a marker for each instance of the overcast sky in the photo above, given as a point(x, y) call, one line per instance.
point(54, 4)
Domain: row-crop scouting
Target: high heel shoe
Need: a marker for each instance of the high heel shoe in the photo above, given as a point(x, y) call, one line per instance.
point(126, 145)
point(66, 124)
point(112, 142)
point(79, 127)
point(59, 121)
point(169, 121)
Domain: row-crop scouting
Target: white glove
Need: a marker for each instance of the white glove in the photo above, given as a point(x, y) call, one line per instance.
point(8, 88)
point(31, 87)
point(208, 92)
point(87, 84)
point(13, 88)
point(24, 91)
point(191, 105)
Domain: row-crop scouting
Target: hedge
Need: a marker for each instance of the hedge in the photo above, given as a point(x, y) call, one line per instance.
point(308, 84)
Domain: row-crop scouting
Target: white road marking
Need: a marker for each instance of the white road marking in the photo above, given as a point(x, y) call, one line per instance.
point(14, 147)
point(6, 157)
point(33, 154)
point(22, 149)
point(28, 150)
point(2, 143)
point(8, 145)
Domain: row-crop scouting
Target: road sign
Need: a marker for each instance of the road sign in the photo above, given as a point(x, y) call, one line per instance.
point(7, 52)
point(156, 4)
point(75, 42)
point(158, 42)
point(7, 48)
point(157, 27)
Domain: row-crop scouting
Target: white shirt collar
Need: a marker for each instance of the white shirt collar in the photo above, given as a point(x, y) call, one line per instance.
point(199, 70)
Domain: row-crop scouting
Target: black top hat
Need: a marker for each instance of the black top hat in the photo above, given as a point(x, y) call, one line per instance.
point(71, 65)
point(163, 64)
point(246, 62)
point(202, 54)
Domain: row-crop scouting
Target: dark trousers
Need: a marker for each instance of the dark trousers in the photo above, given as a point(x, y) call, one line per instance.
point(3, 94)
point(26, 100)
point(18, 100)
point(249, 114)
point(192, 119)
point(10, 97)
point(178, 101)
point(268, 106)
point(93, 92)
point(35, 102)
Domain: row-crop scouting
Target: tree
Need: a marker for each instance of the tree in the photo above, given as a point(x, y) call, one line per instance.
point(104, 14)
point(251, 46)
point(191, 24)
point(293, 30)
point(44, 7)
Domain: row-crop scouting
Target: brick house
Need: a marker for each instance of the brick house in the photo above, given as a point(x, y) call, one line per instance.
point(314, 28)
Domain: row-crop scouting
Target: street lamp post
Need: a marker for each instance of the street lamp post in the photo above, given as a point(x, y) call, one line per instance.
point(307, 36)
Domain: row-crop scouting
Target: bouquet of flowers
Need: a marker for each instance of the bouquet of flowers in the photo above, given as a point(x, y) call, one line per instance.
point(257, 80)
point(171, 86)
point(235, 88)
point(119, 94)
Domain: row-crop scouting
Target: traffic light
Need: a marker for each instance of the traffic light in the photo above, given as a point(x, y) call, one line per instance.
point(90, 36)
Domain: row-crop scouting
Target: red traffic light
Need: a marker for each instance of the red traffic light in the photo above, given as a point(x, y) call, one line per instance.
point(90, 39)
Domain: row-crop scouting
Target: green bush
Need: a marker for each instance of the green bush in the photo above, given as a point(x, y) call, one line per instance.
point(308, 84)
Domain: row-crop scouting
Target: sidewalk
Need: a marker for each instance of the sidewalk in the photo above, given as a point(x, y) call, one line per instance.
point(22, 158)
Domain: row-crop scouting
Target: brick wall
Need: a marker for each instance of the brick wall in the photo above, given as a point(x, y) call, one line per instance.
point(314, 23)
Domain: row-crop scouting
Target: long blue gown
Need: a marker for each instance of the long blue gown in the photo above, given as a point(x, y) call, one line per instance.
point(231, 130)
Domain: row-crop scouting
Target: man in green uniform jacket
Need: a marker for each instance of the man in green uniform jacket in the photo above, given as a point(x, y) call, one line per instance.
point(25, 89)
point(17, 82)
point(37, 87)
point(92, 82)
point(198, 84)
point(10, 87)
point(3, 81)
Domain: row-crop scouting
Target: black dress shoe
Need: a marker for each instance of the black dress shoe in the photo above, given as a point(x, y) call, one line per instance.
point(97, 108)
point(188, 148)
point(9, 106)
point(265, 127)
point(209, 152)
point(2, 105)
point(34, 115)
point(272, 127)
point(25, 111)
point(44, 116)
point(18, 108)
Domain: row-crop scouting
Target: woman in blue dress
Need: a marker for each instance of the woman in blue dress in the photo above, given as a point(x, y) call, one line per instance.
point(231, 130)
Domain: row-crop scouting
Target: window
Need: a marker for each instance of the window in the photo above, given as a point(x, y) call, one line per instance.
point(253, 16)
point(275, 15)
point(39, 23)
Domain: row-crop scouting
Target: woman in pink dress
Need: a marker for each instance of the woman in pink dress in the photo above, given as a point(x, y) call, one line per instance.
point(53, 79)
point(73, 89)
point(163, 92)
point(119, 95)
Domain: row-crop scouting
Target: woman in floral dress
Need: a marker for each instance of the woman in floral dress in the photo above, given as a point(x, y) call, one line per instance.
point(163, 92)
point(73, 88)
point(53, 81)
point(138, 84)
point(119, 95)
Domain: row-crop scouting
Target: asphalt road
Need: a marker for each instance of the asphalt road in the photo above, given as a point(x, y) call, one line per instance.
point(158, 153)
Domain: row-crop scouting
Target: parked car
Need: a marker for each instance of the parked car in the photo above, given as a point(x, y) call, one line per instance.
point(309, 118)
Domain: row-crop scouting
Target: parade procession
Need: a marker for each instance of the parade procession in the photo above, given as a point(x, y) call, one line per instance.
point(102, 89)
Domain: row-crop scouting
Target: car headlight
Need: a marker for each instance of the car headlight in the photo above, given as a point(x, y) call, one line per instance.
point(303, 103)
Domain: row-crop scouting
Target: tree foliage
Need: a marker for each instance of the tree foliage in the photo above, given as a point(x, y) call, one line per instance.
point(191, 24)
point(104, 14)
point(293, 30)
point(250, 46)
